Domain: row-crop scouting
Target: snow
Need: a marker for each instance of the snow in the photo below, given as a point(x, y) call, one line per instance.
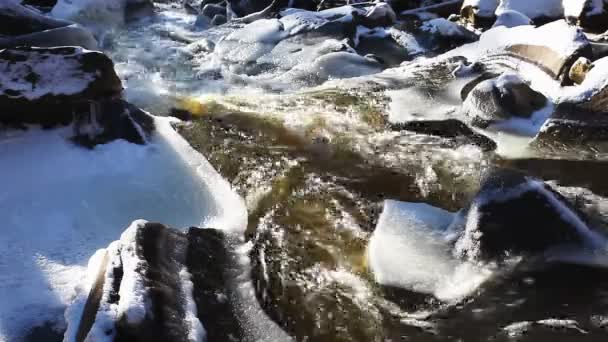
point(510, 18)
point(134, 303)
point(575, 8)
point(595, 80)
point(196, 331)
point(410, 249)
point(62, 202)
point(533, 9)
point(58, 74)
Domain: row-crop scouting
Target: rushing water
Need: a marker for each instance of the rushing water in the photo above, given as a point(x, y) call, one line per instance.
point(314, 166)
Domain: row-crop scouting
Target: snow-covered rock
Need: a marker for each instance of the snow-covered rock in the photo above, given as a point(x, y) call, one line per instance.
point(552, 47)
point(442, 34)
point(157, 284)
point(68, 85)
point(502, 98)
point(516, 214)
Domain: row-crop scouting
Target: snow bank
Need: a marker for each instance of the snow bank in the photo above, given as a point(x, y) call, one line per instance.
point(510, 18)
point(410, 249)
point(533, 9)
point(89, 197)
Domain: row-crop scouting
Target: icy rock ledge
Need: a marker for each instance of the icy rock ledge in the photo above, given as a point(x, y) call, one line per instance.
point(157, 284)
point(449, 255)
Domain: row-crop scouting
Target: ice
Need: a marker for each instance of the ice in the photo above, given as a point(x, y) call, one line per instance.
point(196, 331)
point(410, 249)
point(61, 202)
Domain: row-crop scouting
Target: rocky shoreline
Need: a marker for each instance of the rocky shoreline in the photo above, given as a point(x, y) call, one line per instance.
point(353, 170)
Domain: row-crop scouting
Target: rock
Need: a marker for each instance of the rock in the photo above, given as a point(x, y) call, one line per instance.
point(580, 120)
point(588, 14)
point(158, 284)
point(380, 15)
point(499, 99)
point(510, 18)
point(479, 13)
point(385, 48)
point(211, 10)
point(245, 7)
point(542, 11)
point(441, 34)
point(21, 26)
point(552, 48)
point(43, 85)
point(68, 85)
point(450, 128)
point(40, 3)
point(219, 19)
point(579, 70)
point(513, 213)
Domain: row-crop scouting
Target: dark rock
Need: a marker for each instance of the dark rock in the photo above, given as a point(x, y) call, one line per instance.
point(451, 128)
point(40, 3)
point(385, 48)
point(211, 10)
point(472, 15)
point(219, 19)
point(21, 26)
point(156, 256)
point(502, 98)
point(245, 7)
point(109, 120)
point(441, 35)
point(138, 9)
point(513, 213)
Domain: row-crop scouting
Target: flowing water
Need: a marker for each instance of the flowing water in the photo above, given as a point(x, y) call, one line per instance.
point(314, 164)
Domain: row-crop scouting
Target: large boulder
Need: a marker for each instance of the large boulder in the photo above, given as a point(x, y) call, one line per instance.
point(551, 48)
point(68, 85)
point(21, 26)
point(502, 98)
point(157, 284)
point(513, 215)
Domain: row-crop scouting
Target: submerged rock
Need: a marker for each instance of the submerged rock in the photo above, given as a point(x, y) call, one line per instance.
point(502, 98)
point(454, 129)
point(516, 214)
point(157, 284)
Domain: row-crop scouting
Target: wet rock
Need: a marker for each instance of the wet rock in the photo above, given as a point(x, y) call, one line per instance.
point(21, 26)
point(158, 284)
point(513, 213)
point(441, 34)
point(450, 128)
point(211, 10)
point(219, 20)
point(499, 99)
point(579, 70)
